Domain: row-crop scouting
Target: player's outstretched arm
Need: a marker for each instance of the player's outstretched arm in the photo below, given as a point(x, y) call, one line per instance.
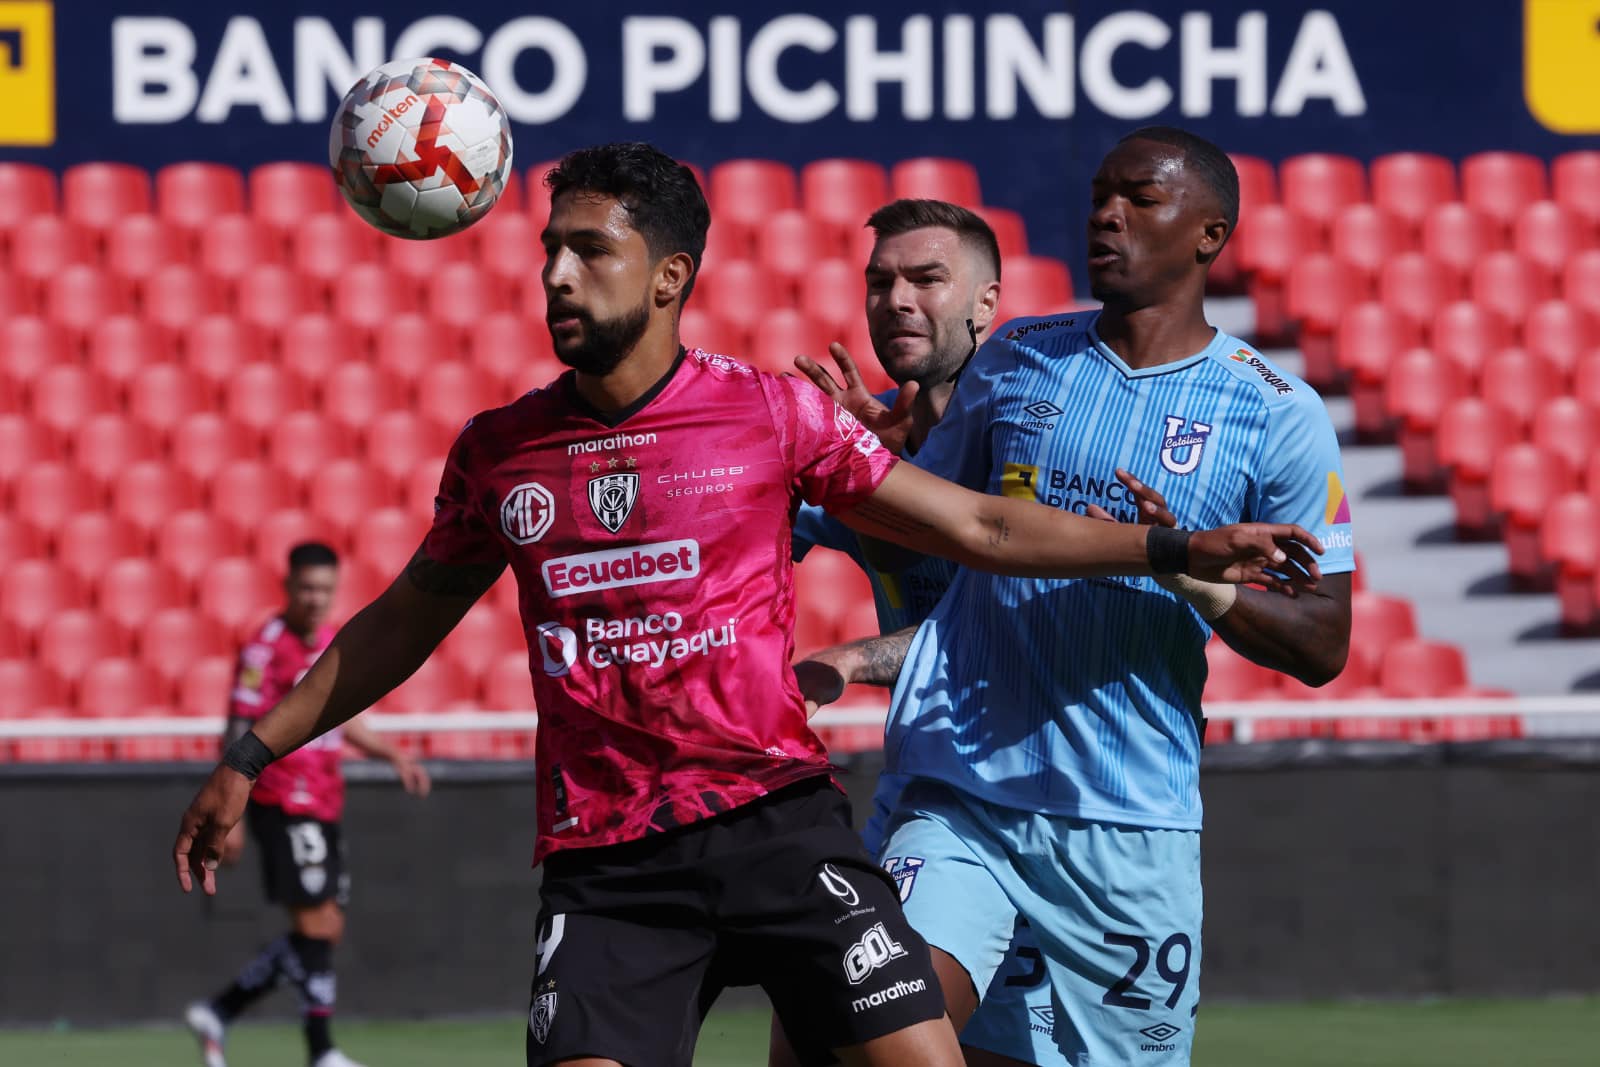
point(375, 651)
point(823, 675)
point(1019, 537)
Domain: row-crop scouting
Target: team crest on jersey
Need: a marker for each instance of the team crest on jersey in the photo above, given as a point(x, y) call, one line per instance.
point(611, 498)
point(542, 1014)
point(1180, 447)
point(903, 869)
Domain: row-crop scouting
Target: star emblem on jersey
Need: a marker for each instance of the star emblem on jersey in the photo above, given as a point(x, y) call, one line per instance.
point(1042, 409)
point(612, 496)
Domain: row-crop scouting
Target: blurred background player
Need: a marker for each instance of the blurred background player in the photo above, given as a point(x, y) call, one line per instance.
point(1053, 729)
point(686, 816)
point(294, 815)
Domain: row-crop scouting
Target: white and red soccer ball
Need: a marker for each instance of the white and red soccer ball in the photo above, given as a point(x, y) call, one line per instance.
point(420, 148)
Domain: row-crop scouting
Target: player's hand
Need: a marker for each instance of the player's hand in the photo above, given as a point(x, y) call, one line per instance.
point(233, 847)
point(892, 425)
point(820, 682)
point(1278, 556)
point(1148, 502)
point(413, 776)
point(203, 830)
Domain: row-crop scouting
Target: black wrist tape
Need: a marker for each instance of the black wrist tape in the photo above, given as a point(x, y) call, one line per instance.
point(248, 756)
point(1167, 550)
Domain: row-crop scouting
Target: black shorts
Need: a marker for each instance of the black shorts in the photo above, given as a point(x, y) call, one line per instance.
point(302, 859)
point(636, 940)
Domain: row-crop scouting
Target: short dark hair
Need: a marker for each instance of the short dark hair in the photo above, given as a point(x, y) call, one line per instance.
point(662, 196)
point(903, 216)
point(312, 554)
point(1209, 162)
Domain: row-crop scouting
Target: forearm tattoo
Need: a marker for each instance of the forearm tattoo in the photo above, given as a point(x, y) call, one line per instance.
point(452, 579)
point(999, 531)
point(891, 519)
point(882, 657)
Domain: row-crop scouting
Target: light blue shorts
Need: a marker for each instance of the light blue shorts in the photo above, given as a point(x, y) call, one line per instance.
point(1107, 969)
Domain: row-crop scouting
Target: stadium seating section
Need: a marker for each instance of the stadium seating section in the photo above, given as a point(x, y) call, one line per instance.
point(200, 367)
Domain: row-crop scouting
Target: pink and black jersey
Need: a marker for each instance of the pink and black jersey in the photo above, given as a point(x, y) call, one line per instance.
point(308, 781)
point(651, 551)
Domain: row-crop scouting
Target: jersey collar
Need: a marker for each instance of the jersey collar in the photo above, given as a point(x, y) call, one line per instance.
point(613, 419)
point(1218, 342)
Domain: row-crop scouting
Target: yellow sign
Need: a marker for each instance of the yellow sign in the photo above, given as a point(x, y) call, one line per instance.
point(27, 73)
point(1019, 480)
point(1561, 63)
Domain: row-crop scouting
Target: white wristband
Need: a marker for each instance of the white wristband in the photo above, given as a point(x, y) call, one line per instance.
point(1211, 599)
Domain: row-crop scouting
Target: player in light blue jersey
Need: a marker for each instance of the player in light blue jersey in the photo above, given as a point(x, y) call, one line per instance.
point(1053, 728)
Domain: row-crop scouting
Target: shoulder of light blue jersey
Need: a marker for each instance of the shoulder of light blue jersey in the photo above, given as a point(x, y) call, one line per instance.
point(1039, 331)
point(1276, 385)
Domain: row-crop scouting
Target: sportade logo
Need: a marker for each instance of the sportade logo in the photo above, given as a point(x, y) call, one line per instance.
point(649, 640)
point(1268, 375)
point(1019, 332)
point(875, 949)
point(612, 568)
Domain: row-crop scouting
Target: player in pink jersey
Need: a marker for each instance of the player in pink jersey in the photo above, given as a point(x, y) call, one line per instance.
point(294, 815)
point(689, 830)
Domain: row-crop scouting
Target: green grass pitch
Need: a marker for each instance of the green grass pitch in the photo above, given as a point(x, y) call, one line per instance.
point(1535, 1033)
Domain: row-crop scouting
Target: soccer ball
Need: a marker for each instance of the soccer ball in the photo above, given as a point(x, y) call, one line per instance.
point(420, 148)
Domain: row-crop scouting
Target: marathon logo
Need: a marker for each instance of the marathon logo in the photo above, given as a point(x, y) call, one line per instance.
point(1268, 375)
point(883, 996)
point(614, 568)
point(612, 444)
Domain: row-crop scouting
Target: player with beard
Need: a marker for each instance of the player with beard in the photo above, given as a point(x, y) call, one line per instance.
point(687, 821)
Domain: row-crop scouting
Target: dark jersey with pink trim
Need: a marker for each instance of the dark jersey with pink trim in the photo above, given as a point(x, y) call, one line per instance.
point(652, 559)
point(308, 781)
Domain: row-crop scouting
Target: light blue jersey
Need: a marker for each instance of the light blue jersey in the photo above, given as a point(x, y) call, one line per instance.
point(1082, 698)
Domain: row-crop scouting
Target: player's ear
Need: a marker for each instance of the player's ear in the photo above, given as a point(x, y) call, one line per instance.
point(671, 277)
point(986, 306)
point(1213, 234)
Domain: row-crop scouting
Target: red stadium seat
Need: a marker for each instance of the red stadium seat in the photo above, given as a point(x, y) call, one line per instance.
point(508, 248)
point(421, 488)
point(1558, 334)
point(204, 443)
point(1456, 237)
point(1010, 230)
point(1580, 282)
point(74, 640)
point(214, 347)
point(238, 593)
point(29, 344)
point(96, 195)
point(140, 245)
point(835, 292)
point(405, 349)
point(273, 296)
point(112, 687)
point(1523, 483)
point(1366, 238)
point(344, 493)
point(63, 397)
point(1413, 669)
point(514, 351)
point(122, 345)
point(301, 443)
point(1569, 540)
point(934, 178)
point(387, 538)
point(1501, 184)
point(1561, 425)
point(703, 330)
point(18, 540)
point(841, 193)
point(1370, 337)
point(279, 532)
point(79, 297)
point(507, 685)
point(398, 443)
point(1518, 384)
point(260, 394)
point(1407, 185)
point(537, 193)
point(27, 191)
point(353, 394)
point(1319, 290)
point(314, 344)
point(1230, 677)
point(1417, 287)
point(173, 638)
point(204, 688)
point(784, 334)
point(106, 444)
point(457, 295)
point(741, 293)
point(1378, 621)
point(1467, 335)
point(748, 191)
point(437, 684)
point(1258, 182)
point(162, 396)
point(1471, 435)
point(368, 298)
point(450, 392)
point(1357, 681)
point(1318, 186)
point(145, 493)
point(27, 688)
point(483, 638)
point(12, 644)
point(726, 243)
point(188, 541)
point(1574, 183)
point(24, 443)
point(244, 493)
point(284, 195)
point(176, 296)
point(324, 247)
point(34, 591)
point(1269, 244)
point(232, 247)
point(47, 494)
point(1033, 285)
point(789, 242)
point(1585, 385)
point(1420, 388)
point(1547, 235)
point(128, 590)
point(45, 246)
point(189, 195)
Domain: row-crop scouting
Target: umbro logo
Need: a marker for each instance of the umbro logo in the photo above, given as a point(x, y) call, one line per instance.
point(1161, 1031)
point(1042, 409)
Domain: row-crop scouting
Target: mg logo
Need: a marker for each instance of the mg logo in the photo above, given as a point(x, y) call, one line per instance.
point(527, 512)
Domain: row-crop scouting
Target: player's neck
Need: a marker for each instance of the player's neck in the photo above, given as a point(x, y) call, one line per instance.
point(926, 411)
point(1155, 334)
point(639, 372)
